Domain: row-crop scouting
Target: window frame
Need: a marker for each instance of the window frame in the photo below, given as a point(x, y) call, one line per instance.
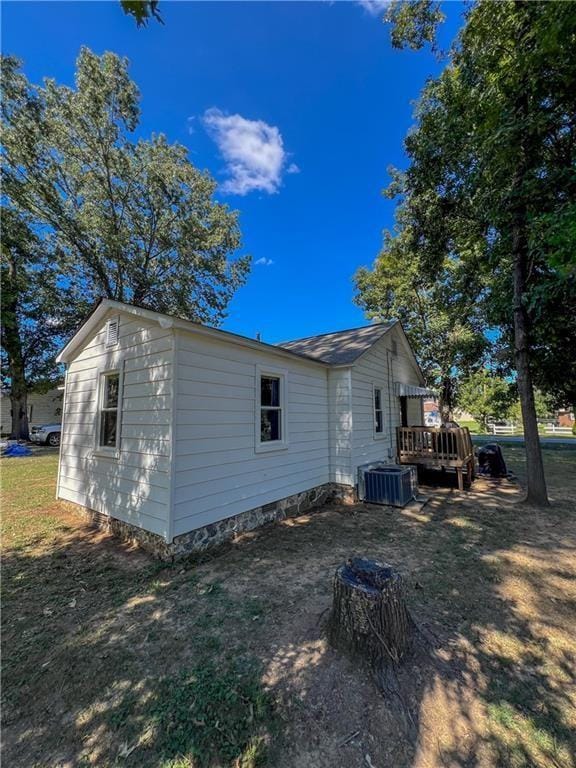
point(270, 445)
point(378, 435)
point(108, 451)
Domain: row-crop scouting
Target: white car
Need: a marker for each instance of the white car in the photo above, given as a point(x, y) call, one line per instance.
point(47, 434)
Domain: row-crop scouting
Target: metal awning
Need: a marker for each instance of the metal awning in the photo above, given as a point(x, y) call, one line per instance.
point(408, 390)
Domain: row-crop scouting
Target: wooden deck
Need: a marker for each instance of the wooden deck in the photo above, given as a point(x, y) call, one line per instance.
point(438, 448)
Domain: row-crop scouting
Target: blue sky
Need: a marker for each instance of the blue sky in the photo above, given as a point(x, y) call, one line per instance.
point(297, 109)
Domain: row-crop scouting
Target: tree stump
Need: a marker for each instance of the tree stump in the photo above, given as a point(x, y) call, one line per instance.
point(369, 615)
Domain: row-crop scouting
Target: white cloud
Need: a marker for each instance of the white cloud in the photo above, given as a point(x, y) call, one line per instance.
point(374, 7)
point(253, 150)
point(264, 262)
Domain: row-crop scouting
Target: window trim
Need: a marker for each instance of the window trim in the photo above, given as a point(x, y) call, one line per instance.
point(377, 435)
point(271, 445)
point(107, 451)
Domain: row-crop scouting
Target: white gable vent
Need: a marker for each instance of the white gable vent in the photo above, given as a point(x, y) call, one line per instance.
point(112, 331)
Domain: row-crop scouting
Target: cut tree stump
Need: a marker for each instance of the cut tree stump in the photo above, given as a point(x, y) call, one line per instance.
point(369, 616)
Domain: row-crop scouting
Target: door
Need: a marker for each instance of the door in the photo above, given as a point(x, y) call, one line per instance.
point(403, 411)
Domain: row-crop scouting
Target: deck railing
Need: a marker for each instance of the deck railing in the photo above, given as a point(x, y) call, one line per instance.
point(433, 446)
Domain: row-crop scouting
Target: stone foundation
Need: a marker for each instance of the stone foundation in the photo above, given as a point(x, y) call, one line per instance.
point(214, 534)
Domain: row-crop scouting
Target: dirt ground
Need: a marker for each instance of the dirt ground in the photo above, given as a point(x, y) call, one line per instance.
point(93, 628)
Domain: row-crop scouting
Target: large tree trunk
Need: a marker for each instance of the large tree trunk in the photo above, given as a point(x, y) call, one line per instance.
point(13, 347)
point(446, 399)
point(18, 390)
point(369, 616)
point(19, 404)
point(536, 480)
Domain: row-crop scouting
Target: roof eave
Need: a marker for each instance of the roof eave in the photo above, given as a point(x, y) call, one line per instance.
point(166, 321)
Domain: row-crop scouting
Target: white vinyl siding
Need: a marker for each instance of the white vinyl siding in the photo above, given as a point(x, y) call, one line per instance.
point(340, 399)
point(134, 487)
point(378, 367)
point(219, 471)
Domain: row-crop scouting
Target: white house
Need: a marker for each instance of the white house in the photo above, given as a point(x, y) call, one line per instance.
point(179, 435)
point(43, 408)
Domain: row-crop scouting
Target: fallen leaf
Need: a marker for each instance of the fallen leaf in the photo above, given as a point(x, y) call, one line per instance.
point(125, 750)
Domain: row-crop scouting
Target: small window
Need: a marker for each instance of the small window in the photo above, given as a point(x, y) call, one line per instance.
point(270, 409)
point(378, 412)
point(109, 396)
point(112, 330)
point(394, 347)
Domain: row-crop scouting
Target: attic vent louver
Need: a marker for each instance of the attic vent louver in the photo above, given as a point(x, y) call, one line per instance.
point(112, 327)
point(394, 347)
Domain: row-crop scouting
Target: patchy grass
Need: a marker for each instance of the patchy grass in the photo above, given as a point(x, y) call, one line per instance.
point(209, 714)
point(88, 652)
point(110, 658)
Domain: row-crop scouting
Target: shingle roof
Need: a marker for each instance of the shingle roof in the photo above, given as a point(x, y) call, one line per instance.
point(341, 347)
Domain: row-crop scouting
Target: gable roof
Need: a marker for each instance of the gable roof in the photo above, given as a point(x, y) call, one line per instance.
point(339, 347)
point(105, 306)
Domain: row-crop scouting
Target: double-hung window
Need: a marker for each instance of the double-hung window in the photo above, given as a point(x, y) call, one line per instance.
point(378, 411)
point(271, 410)
point(108, 416)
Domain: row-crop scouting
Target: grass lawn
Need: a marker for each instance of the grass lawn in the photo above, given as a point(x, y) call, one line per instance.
point(473, 426)
point(111, 659)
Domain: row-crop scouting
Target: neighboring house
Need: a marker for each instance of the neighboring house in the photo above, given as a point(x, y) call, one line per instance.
point(179, 435)
point(43, 408)
point(565, 418)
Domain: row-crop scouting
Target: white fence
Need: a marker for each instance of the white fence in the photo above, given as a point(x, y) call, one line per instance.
point(552, 429)
point(511, 429)
point(503, 429)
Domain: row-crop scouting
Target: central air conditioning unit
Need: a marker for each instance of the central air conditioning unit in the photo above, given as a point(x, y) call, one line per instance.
point(390, 484)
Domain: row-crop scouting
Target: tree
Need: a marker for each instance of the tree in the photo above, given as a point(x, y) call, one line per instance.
point(142, 11)
point(35, 314)
point(440, 320)
point(413, 24)
point(552, 305)
point(543, 403)
point(131, 220)
point(485, 394)
point(491, 179)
